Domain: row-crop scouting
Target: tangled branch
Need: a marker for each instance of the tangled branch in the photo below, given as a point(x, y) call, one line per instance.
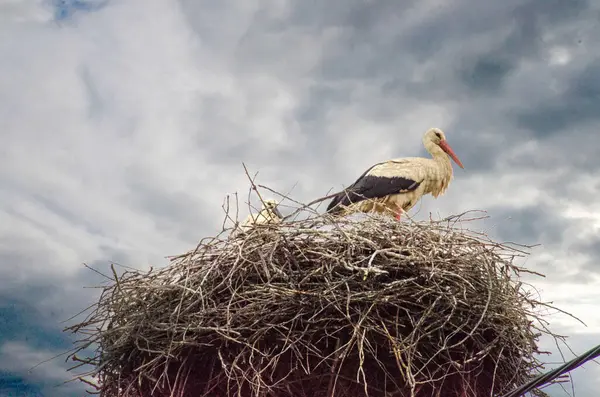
point(357, 306)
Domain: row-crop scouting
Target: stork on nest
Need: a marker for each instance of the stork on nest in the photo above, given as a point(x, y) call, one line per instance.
point(319, 307)
point(397, 185)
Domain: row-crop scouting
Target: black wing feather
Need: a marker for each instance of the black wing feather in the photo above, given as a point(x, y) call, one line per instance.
point(368, 187)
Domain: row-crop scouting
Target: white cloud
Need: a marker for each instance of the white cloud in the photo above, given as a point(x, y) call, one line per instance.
point(23, 11)
point(146, 78)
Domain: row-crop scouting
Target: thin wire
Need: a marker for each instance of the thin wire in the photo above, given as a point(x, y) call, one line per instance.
point(555, 373)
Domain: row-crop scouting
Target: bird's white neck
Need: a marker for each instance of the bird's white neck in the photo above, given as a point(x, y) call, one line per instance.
point(437, 153)
point(444, 168)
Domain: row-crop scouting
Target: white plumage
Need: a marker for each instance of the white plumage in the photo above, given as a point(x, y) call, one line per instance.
point(269, 214)
point(397, 185)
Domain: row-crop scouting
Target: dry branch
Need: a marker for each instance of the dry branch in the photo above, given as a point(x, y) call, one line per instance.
point(357, 306)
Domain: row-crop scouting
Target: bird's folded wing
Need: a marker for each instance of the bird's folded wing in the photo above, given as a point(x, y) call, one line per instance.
point(371, 187)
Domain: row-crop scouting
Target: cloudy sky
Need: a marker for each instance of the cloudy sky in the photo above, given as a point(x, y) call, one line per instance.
point(124, 124)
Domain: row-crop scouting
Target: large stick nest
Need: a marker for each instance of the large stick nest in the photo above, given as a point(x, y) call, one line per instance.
point(357, 306)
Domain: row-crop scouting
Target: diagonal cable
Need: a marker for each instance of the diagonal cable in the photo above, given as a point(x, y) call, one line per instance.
point(555, 373)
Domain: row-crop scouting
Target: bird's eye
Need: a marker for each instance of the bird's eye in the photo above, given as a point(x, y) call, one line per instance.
point(438, 135)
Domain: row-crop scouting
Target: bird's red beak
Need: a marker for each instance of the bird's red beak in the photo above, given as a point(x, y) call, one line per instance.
point(446, 148)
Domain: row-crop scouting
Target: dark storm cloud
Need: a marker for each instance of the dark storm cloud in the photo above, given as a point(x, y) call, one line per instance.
point(473, 77)
point(26, 320)
point(493, 108)
point(27, 300)
point(313, 115)
point(530, 225)
point(72, 293)
point(590, 248)
point(487, 72)
point(467, 55)
point(577, 105)
point(22, 321)
point(376, 47)
point(320, 100)
point(355, 14)
point(14, 385)
point(544, 226)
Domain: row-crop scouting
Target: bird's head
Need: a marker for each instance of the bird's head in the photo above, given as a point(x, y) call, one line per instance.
point(437, 137)
point(271, 205)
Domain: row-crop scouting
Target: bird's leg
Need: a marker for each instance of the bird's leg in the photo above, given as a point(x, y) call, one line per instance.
point(399, 212)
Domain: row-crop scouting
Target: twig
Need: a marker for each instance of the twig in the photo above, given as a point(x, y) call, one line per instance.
point(319, 306)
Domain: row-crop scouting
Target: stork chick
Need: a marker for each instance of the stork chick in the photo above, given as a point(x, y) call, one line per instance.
point(397, 185)
point(269, 214)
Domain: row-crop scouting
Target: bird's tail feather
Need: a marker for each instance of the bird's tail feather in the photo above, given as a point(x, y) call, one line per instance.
point(333, 207)
point(340, 201)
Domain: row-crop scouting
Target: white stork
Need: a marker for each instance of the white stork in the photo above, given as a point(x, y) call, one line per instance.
point(269, 214)
point(397, 185)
